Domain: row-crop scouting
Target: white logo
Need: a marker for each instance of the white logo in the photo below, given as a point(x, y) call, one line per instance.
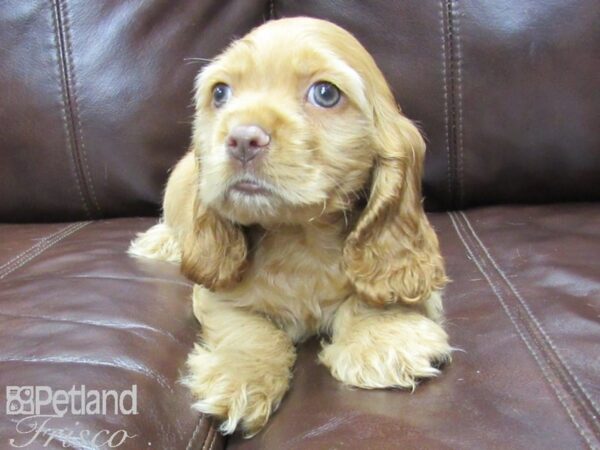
point(37, 400)
point(40, 405)
point(19, 400)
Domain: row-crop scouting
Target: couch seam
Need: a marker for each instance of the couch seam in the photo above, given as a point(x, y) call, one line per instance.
point(48, 244)
point(195, 433)
point(37, 244)
point(528, 344)
point(60, 72)
point(536, 325)
point(459, 103)
point(453, 104)
point(214, 439)
point(446, 96)
point(75, 104)
point(208, 438)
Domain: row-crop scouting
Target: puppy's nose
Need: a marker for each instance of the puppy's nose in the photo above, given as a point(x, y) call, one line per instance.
point(246, 142)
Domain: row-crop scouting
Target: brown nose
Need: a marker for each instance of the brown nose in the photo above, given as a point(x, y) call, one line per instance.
point(246, 142)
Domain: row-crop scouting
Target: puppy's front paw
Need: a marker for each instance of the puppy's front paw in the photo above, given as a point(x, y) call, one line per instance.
point(387, 351)
point(158, 242)
point(236, 388)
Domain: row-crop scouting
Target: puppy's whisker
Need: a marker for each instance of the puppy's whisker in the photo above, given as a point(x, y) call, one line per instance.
point(196, 59)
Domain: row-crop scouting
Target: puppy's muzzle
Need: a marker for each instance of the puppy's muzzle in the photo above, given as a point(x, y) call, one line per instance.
point(246, 143)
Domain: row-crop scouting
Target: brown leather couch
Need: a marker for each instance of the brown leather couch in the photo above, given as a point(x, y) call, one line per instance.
point(95, 108)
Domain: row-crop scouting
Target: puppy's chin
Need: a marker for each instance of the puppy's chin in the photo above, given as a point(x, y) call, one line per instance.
point(244, 201)
point(267, 209)
point(247, 207)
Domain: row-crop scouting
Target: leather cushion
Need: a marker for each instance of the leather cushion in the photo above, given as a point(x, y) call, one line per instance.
point(76, 310)
point(522, 308)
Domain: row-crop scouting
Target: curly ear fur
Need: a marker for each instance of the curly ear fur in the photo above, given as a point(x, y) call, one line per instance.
point(393, 253)
point(213, 249)
point(214, 252)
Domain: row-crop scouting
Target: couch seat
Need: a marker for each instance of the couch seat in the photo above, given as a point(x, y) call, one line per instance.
point(523, 308)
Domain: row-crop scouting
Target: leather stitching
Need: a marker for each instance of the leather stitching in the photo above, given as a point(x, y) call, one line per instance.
point(214, 439)
point(75, 104)
point(453, 79)
point(545, 339)
point(446, 95)
point(479, 263)
point(36, 245)
point(459, 106)
point(60, 72)
point(42, 248)
point(195, 433)
point(209, 439)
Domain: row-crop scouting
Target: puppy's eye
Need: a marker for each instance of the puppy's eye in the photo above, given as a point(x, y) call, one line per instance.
point(221, 93)
point(324, 94)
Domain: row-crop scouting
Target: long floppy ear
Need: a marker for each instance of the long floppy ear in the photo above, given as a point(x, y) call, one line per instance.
point(213, 249)
point(392, 255)
point(214, 252)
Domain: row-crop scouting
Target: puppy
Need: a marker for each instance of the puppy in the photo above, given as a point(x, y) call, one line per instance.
point(298, 212)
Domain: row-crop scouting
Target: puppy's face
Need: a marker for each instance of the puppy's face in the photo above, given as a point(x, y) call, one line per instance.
point(283, 130)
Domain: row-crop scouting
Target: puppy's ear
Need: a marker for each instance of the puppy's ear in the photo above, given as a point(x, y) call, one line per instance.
point(214, 252)
point(392, 255)
point(213, 249)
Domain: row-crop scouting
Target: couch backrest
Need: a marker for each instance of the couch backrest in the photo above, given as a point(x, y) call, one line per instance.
point(95, 96)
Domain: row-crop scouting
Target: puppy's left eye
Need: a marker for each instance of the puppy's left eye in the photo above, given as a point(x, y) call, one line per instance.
point(221, 93)
point(324, 94)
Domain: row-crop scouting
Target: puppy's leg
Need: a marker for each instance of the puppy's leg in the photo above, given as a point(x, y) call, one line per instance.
point(158, 242)
point(379, 348)
point(241, 370)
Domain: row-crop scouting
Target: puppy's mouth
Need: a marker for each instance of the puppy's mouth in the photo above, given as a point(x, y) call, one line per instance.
point(251, 187)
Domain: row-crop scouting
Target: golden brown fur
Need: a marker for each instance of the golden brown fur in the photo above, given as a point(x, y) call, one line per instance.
point(340, 245)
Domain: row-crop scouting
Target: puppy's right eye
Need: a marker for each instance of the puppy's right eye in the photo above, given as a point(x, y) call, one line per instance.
point(221, 93)
point(324, 94)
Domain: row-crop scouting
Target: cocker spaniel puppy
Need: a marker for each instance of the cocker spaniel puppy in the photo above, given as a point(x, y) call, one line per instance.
point(298, 212)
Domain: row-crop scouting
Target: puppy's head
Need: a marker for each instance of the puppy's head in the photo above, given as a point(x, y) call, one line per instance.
point(283, 125)
point(295, 122)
